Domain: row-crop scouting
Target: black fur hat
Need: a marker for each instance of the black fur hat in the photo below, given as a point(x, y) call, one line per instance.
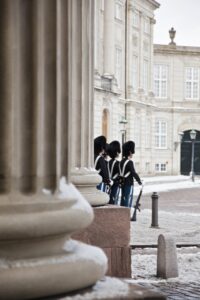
point(113, 149)
point(99, 144)
point(128, 148)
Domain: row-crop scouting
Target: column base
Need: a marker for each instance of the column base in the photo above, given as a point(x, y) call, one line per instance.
point(37, 256)
point(52, 275)
point(86, 181)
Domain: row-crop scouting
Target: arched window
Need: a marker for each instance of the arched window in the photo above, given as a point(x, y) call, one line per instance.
point(105, 122)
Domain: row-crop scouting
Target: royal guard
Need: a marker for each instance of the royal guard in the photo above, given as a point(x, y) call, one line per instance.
point(114, 149)
point(127, 174)
point(100, 162)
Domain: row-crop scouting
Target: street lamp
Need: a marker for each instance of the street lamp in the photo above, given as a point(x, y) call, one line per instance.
point(193, 134)
point(123, 121)
point(192, 140)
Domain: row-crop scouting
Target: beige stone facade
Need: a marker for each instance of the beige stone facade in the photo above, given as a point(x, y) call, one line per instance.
point(123, 99)
point(179, 105)
point(145, 98)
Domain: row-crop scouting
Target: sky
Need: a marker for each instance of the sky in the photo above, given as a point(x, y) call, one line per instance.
point(184, 16)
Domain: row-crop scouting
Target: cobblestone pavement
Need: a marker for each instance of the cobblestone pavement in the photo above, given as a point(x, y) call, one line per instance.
point(177, 291)
point(178, 215)
point(184, 200)
point(174, 204)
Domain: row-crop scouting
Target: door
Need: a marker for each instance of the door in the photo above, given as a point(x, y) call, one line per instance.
point(186, 153)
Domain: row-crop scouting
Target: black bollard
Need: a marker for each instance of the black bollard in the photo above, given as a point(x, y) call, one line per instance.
point(154, 221)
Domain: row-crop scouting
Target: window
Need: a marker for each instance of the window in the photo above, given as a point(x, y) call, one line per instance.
point(161, 135)
point(118, 11)
point(147, 25)
point(147, 167)
point(160, 81)
point(191, 83)
point(137, 130)
point(136, 19)
point(148, 134)
point(105, 122)
point(145, 75)
point(160, 167)
point(137, 166)
point(135, 72)
point(118, 65)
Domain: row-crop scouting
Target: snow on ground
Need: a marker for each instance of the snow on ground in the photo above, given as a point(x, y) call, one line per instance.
point(144, 265)
point(166, 183)
point(183, 227)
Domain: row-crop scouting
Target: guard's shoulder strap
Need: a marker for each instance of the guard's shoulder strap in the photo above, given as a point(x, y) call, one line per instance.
point(110, 171)
point(122, 171)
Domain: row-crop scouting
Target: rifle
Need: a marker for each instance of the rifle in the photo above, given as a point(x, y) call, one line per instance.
point(137, 205)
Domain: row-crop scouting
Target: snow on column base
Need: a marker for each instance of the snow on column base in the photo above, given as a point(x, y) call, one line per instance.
point(79, 267)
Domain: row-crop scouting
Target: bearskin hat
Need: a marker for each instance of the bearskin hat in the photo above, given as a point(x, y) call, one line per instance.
point(113, 149)
point(99, 144)
point(128, 147)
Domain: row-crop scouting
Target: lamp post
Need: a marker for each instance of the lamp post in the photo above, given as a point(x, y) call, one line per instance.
point(123, 131)
point(193, 138)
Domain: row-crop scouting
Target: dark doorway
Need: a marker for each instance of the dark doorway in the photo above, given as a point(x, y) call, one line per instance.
point(186, 153)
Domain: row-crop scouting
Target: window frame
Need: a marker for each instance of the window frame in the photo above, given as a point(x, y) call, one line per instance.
point(118, 12)
point(118, 66)
point(192, 81)
point(160, 135)
point(145, 77)
point(137, 131)
point(136, 19)
point(135, 70)
point(159, 167)
point(160, 80)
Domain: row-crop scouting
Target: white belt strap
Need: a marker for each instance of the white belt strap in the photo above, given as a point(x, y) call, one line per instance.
point(123, 170)
point(111, 171)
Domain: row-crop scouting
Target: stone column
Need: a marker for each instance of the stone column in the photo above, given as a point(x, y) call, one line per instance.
point(141, 51)
point(151, 60)
point(45, 27)
point(109, 36)
point(5, 98)
point(129, 50)
point(37, 256)
point(81, 95)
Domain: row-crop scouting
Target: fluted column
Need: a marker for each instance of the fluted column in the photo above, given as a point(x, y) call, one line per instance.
point(62, 109)
point(141, 46)
point(151, 76)
point(5, 98)
point(81, 94)
point(37, 256)
point(109, 36)
point(129, 51)
point(46, 92)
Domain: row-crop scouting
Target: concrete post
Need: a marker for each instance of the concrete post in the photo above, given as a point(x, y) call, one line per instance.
point(154, 222)
point(167, 265)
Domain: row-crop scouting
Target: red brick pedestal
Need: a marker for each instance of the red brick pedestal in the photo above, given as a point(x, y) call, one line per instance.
point(110, 231)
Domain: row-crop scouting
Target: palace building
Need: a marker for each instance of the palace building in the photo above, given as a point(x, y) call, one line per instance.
point(145, 92)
